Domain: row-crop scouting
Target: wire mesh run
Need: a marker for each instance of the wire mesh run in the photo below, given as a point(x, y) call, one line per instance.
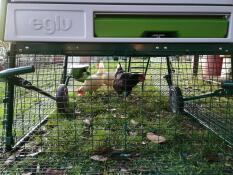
point(129, 132)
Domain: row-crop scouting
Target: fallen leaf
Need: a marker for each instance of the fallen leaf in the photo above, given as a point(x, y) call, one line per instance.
point(228, 164)
point(38, 169)
point(103, 151)
point(213, 158)
point(112, 110)
point(51, 171)
point(143, 143)
point(123, 116)
point(29, 173)
point(70, 167)
point(124, 170)
point(133, 133)
point(99, 158)
point(35, 153)
point(133, 122)
point(13, 157)
point(155, 138)
point(77, 112)
point(10, 160)
point(87, 121)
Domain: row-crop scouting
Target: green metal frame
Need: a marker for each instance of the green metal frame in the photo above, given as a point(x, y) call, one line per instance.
point(217, 93)
point(6, 74)
point(9, 100)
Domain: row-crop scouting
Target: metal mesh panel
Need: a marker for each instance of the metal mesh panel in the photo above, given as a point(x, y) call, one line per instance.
point(105, 133)
point(31, 108)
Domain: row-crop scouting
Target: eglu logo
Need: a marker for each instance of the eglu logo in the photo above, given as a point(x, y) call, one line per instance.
point(51, 25)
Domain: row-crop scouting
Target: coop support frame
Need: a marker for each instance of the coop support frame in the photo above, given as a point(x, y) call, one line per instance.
point(231, 67)
point(10, 102)
point(64, 74)
point(123, 49)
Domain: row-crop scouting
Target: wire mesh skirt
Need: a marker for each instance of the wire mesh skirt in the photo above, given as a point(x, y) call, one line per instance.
point(105, 132)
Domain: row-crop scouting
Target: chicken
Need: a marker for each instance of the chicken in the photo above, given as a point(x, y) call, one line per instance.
point(108, 78)
point(91, 84)
point(124, 82)
point(97, 80)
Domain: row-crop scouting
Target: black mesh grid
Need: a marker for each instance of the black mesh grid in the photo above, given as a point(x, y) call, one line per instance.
point(105, 133)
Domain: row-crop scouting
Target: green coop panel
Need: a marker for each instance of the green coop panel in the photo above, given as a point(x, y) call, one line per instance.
point(166, 26)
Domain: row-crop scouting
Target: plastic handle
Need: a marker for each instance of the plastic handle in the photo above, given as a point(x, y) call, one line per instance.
point(16, 71)
point(227, 85)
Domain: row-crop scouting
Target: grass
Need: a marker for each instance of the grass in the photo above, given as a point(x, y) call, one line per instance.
point(69, 142)
point(105, 124)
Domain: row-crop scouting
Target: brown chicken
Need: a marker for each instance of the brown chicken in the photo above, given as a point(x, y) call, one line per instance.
point(124, 82)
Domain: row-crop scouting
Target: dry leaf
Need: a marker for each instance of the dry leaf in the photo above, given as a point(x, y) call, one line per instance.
point(143, 143)
point(10, 160)
point(77, 112)
point(124, 170)
point(35, 153)
point(133, 133)
point(99, 158)
point(211, 158)
point(155, 138)
point(228, 165)
point(111, 110)
point(51, 171)
point(29, 173)
point(87, 121)
point(38, 168)
point(123, 116)
point(133, 122)
point(13, 157)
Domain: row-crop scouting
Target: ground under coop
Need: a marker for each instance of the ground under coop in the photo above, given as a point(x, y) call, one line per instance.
point(178, 121)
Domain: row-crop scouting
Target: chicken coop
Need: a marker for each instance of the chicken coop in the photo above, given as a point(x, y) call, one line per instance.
point(116, 87)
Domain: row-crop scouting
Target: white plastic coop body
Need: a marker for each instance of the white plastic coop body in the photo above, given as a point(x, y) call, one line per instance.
point(147, 21)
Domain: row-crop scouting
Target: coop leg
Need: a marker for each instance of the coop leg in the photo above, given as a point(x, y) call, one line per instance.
point(231, 67)
point(145, 71)
point(10, 102)
point(168, 77)
point(129, 65)
point(195, 64)
point(64, 75)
